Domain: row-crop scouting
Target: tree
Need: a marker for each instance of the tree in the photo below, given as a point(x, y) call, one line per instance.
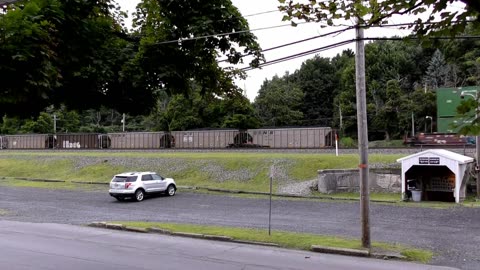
point(279, 103)
point(318, 81)
point(437, 70)
point(10, 125)
point(76, 53)
point(440, 21)
point(43, 124)
point(60, 52)
point(181, 41)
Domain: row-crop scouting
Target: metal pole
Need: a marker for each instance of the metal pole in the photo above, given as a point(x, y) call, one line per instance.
point(270, 210)
point(477, 148)
point(362, 134)
point(413, 126)
point(431, 125)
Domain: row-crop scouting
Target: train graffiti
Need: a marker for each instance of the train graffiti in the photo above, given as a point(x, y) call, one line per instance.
point(281, 138)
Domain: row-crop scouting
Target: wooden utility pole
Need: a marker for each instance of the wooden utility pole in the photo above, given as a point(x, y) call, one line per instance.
point(362, 134)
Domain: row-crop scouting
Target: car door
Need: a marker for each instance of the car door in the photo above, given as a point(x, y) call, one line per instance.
point(148, 183)
point(161, 183)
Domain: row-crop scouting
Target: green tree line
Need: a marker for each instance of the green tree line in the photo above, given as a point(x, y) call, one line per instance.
point(76, 60)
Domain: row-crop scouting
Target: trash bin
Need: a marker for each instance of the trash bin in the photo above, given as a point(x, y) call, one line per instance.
point(417, 195)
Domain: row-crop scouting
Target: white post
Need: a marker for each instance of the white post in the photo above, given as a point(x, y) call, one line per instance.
point(123, 121)
point(336, 144)
point(54, 123)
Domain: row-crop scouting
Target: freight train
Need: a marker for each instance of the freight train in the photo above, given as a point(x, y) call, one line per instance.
point(276, 138)
point(447, 139)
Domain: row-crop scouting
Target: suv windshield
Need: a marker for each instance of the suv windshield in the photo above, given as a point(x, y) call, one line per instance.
point(124, 179)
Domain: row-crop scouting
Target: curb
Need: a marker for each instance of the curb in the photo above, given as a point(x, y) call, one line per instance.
point(38, 180)
point(90, 183)
point(135, 229)
point(341, 251)
point(314, 248)
point(222, 238)
point(119, 227)
point(388, 256)
point(186, 234)
point(159, 231)
point(256, 243)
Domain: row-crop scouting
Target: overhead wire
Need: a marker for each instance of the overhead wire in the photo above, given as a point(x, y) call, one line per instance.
point(297, 42)
point(180, 40)
point(305, 53)
point(342, 43)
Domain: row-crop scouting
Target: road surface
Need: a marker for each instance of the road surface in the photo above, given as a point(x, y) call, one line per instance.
point(452, 234)
point(58, 246)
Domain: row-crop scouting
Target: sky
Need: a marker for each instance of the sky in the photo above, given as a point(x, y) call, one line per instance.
point(278, 36)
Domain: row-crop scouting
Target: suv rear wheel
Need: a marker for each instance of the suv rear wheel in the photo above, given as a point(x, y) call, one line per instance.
point(139, 195)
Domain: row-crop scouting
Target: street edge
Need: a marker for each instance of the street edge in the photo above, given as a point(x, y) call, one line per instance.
point(314, 248)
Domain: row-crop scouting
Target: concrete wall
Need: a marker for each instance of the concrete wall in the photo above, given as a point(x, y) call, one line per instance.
point(380, 180)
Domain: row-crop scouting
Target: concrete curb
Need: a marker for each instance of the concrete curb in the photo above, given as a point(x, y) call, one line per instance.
point(112, 226)
point(135, 229)
point(90, 183)
point(256, 243)
point(314, 248)
point(186, 234)
point(341, 251)
point(39, 180)
point(159, 231)
point(222, 238)
point(388, 256)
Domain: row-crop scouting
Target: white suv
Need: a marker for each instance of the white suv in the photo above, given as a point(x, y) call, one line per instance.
point(140, 184)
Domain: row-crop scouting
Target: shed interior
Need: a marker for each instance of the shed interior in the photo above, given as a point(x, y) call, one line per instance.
point(437, 183)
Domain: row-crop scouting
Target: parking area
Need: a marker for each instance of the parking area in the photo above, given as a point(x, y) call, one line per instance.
point(453, 234)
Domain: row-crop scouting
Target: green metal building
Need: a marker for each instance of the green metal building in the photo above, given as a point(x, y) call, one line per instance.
point(448, 99)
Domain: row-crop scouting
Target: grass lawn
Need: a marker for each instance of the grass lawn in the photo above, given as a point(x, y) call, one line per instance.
point(238, 170)
point(285, 239)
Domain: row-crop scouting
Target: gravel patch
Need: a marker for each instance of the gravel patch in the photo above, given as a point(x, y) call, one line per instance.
point(299, 188)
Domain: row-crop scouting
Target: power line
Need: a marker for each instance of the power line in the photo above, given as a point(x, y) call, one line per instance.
point(343, 43)
point(226, 34)
point(297, 42)
point(294, 56)
point(261, 13)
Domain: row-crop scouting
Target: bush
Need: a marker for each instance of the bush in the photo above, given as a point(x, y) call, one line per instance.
point(348, 142)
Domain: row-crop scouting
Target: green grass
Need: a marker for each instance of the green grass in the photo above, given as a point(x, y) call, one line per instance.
point(299, 166)
point(285, 239)
point(390, 143)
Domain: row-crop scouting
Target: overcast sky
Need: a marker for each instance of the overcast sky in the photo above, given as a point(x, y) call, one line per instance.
point(277, 36)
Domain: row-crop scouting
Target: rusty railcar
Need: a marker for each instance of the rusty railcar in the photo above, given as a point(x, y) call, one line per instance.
point(26, 141)
point(295, 138)
point(137, 140)
point(204, 139)
point(76, 141)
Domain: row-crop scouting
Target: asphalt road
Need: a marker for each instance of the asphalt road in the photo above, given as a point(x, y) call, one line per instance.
point(58, 246)
point(453, 234)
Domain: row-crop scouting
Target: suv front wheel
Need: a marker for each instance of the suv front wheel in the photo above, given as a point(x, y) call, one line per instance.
point(139, 195)
point(171, 190)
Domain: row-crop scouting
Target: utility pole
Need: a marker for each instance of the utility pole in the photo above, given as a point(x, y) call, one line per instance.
point(413, 125)
point(362, 134)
